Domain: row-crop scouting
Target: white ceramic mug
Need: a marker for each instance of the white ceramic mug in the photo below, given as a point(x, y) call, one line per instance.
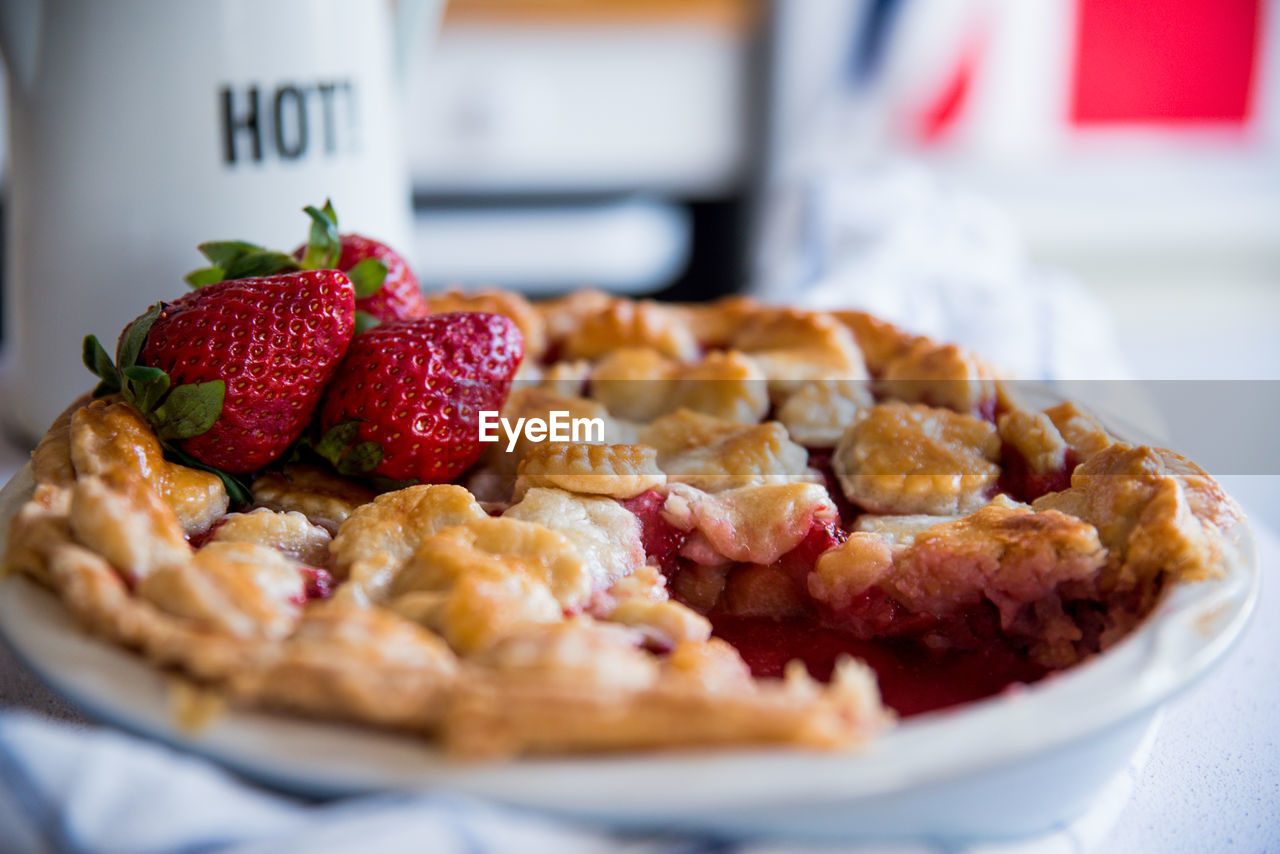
point(139, 128)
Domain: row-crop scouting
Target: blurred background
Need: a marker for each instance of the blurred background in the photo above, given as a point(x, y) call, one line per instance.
point(1106, 164)
point(685, 148)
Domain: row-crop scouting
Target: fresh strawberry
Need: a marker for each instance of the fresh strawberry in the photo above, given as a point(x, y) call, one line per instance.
point(230, 374)
point(405, 401)
point(390, 292)
point(385, 287)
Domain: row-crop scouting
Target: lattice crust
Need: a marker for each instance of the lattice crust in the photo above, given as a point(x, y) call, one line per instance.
point(1010, 556)
point(818, 413)
point(903, 530)
point(119, 516)
point(713, 454)
point(615, 471)
point(577, 687)
point(1044, 439)
point(751, 524)
point(563, 316)
point(793, 347)
point(604, 534)
point(714, 324)
point(566, 378)
point(243, 589)
point(376, 540)
point(939, 375)
point(323, 497)
point(1158, 513)
point(479, 582)
point(910, 458)
point(361, 664)
point(641, 602)
point(544, 629)
point(879, 340)
point(51, 460)
point(641, 384)
point(623, 323)
point(290, 533)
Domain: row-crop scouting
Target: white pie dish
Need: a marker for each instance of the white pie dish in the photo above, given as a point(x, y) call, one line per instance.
point(1011, 765)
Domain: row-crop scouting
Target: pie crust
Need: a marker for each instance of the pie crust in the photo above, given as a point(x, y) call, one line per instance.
point(824, 471)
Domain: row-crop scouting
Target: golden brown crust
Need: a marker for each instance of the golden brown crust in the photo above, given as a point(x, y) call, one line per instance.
point(289, 533)
point(713, 454)
point(623, 323)
point(939, 375)
point(51, 460)
point(603, 532)
point(817, 414)
point(714, 324)
point(577, 688)
point(361, 664)
point(1048, 440)
point(377, 538)
point(110, 437)
point(749, 524)
point(641, 384)
point(323, 497)
point(793, 347)
point(1010, 556)
point(879, 340)
point(913, 458)
point(120, 517)
point(616, 471)
point(1158, 513)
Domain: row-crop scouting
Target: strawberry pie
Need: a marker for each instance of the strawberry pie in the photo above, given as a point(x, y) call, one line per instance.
point(776, 526)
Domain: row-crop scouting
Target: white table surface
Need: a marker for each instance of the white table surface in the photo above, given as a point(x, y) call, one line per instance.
point(1211, 784)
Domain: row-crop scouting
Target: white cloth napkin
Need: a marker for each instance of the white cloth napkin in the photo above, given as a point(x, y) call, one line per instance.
point(91, 789)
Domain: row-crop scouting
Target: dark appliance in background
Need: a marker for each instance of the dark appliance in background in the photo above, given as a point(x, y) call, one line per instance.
point(568, 143)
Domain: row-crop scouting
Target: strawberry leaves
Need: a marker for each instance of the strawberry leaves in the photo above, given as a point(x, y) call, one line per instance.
point(100, 365)
point(324, 250)
point(367, 277)
point(190, 409)
point(176, 412)
point(237, 259)
point(147, 386)
point(338, 445)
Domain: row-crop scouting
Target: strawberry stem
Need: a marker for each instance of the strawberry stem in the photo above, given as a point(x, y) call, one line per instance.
point(324, 247)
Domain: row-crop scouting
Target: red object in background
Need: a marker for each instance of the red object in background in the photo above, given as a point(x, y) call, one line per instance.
point(1164, 61)
point(941, 113)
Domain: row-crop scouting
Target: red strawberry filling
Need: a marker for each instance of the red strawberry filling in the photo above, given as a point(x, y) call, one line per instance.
point(913, 677)
point(319, 582)
point(820, 459)
point(661, 539)
point(923, 661)
point(1019, 481)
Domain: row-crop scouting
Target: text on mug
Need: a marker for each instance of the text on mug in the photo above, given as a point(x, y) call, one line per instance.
point(291, 120)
